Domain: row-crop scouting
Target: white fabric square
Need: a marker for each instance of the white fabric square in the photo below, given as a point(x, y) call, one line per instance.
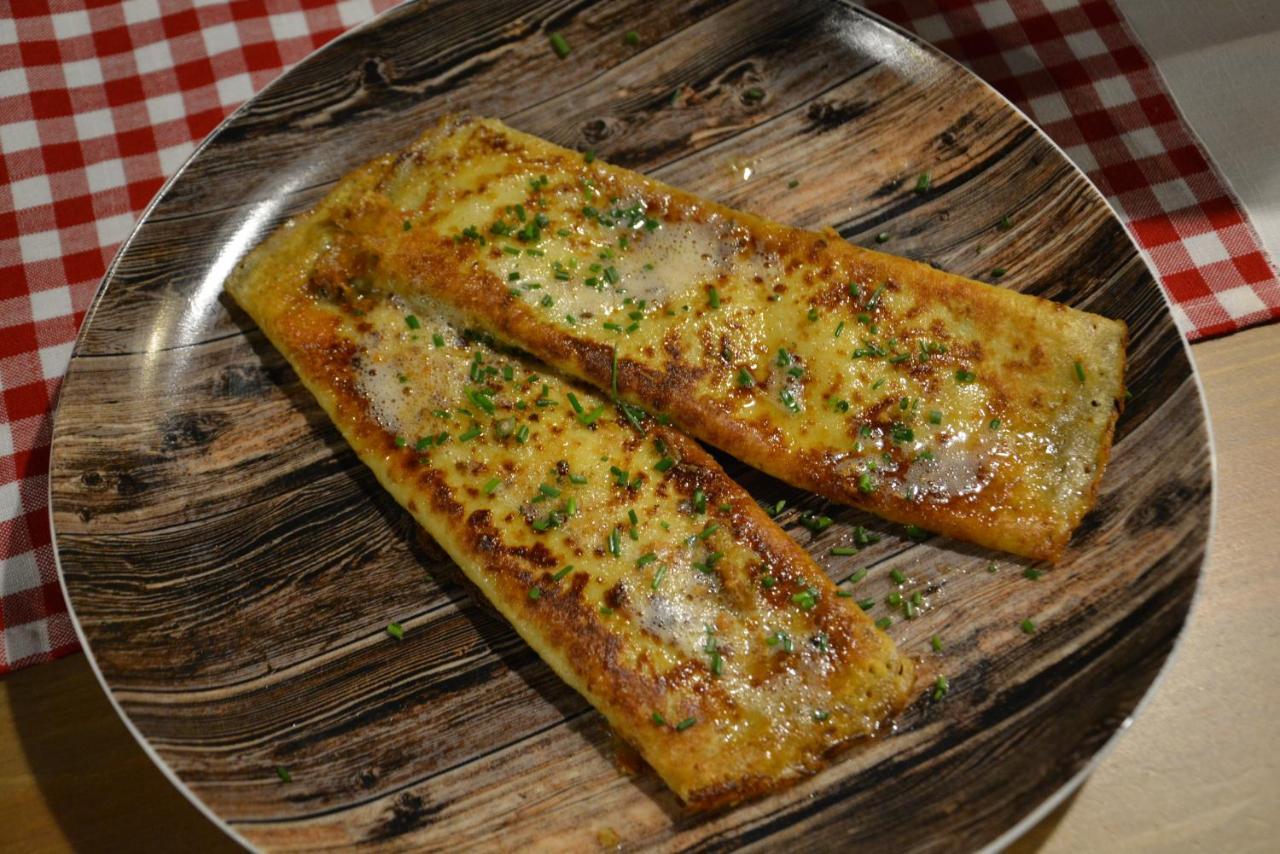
point(1241, 301)
point(54, 360)
point(19, 136)
point(353, 12)
point(235, 90)
point(113, 229)
point(220, 38)
point(1049, 108)
point(26, 640)
point(8, 31)
point(933, 28)
point(31, 192)
point(41, 246)
point(1022, 60)
point(13, 80)
point(1061, 5)
point(165, 108)
point(55, 302)
point(996, 13)
point(1205, 249)
point(153, 57)
point(83, 72)
point(94, 124)
point(6, 439)
point(10, 501)
point(1082, 156)
point(1180, 318)
point(1114, 91)
point(1143, 142)
point(1086, 44)
point(288, 25)
point(136, 11)
point(173, 157)
point(20, 573)
point(1174, 195)
point(68, 25)
point(107, 175)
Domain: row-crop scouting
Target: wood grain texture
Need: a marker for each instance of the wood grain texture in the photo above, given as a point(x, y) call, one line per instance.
point(233, 565)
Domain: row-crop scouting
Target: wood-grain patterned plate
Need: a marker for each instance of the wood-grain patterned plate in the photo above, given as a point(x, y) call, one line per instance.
point(232, 566)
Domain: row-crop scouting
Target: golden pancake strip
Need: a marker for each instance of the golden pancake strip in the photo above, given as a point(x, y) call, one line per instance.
point(964, 408)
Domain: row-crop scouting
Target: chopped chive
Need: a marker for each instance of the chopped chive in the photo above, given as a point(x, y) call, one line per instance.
point(935, 416)
point(412, 321)
point(699, 501)
point(995, 424)
point(471, 434)
point(615, 543)
point(589, 155)
point(535, 593)
point(422, 444)
point(647, 558)
point(865, 483)
point(605, 610)
point(1004, 224)
point(658, 576)
point(882, 237)
point(792, 184)
point(991, 567)
point(963, 377)
point(845, 594)
point(491, 485)
point(686, 723)
point(522, 434)
point(1032, 573)
point(663, 464)
point(283, 774)
point(843, 551)
point(936, 643)
point(812, 315)
point(884, 623)
point(745, 380)
point(577, 478)
point(866, 604)
point(559, 45)
point(658, 719)
point(857, 576)
point(395, 630)
point(768, 581)
point(713, 297)
point(917, 599)
point(631, 514)
point(573, 401)
point(1079, 371)
point(940, 688)
point(997, 272)
point(571, 507)
point(1028, 626)
point(710, 529)
point(632, 37)
point(894, 599)
point(806, 599)
point(589, 418)
point(548, 490)
point(916, 533)
point(924, 182)
point(755, 93)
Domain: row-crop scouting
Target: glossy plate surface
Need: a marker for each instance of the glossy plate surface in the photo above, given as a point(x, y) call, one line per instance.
point(233, 566)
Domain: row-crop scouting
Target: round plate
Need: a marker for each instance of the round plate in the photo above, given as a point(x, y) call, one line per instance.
point(232, 565)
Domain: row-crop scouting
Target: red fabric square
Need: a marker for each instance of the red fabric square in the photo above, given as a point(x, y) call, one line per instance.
point(1187, 285)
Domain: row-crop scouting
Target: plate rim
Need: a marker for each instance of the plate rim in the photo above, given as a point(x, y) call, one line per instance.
point(1014, 832)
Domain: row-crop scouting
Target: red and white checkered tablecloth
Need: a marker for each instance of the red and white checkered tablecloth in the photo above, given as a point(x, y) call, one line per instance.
point(101, 101)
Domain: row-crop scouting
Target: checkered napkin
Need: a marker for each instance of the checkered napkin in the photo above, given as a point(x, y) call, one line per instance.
point(101, 101)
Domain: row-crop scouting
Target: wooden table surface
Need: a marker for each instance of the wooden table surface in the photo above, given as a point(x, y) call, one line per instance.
point(1198, 770)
